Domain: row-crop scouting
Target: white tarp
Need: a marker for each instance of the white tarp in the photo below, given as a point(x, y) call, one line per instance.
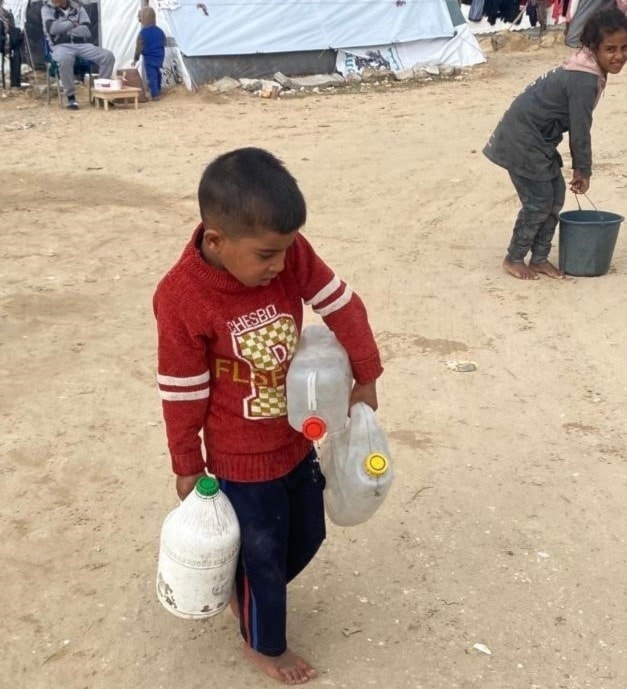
point(460, 51)
point(240, 27)
point(18, 8)
point(119, 28)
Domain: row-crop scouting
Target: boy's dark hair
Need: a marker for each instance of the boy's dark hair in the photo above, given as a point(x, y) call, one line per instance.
point(602, 24)
point(247, 191)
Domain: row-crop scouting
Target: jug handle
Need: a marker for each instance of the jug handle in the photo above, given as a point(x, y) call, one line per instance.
point(312, 402)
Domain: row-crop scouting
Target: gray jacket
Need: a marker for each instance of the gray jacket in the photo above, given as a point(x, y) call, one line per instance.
point(525, 141)
point(69, 26)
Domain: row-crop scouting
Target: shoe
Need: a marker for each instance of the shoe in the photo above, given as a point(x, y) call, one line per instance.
point(72, 104)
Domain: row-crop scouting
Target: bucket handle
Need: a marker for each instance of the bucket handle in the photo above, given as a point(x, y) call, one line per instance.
point(591, 203)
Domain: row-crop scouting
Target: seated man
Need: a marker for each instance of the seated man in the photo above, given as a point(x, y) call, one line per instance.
point(66, 26)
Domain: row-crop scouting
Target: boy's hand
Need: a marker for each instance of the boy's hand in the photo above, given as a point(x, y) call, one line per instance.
point(366, 393)
point(185, 485)
point(579, 184)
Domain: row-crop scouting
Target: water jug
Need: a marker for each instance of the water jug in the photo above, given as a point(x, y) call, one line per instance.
point(318, 385)
point(198, 553)
point(357, 468)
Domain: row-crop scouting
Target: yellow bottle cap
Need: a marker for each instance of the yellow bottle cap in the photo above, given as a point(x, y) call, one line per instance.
point(376, 465)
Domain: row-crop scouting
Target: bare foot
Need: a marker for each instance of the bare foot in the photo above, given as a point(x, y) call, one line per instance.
point(519, 270)
point(287, 668)
point(547, 268)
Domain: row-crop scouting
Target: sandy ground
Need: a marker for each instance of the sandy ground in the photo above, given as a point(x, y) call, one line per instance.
point(506, 523)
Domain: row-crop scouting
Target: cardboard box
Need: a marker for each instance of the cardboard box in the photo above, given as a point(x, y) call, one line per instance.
point(107, 84)
point(133, 78)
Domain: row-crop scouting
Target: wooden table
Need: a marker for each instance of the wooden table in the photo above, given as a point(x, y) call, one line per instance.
point(108, 95)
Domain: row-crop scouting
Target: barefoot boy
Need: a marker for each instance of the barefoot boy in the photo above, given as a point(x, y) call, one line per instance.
point(229, 314)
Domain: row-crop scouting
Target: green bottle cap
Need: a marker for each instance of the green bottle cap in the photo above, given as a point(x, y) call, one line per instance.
point(206, 486)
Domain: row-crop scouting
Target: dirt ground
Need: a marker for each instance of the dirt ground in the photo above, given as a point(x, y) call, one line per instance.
point(506, 524)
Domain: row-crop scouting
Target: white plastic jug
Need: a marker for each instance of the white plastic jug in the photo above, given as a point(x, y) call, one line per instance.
point(200, 542)
point(318, 384)
point(357, 468)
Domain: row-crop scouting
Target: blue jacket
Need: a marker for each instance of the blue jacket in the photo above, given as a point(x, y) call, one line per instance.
point(151, 45)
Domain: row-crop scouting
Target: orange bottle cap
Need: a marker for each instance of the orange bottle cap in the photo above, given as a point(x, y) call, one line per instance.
point(314, 428)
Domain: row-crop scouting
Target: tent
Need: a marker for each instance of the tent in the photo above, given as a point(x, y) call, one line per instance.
point(244, 38)
point(450, 44)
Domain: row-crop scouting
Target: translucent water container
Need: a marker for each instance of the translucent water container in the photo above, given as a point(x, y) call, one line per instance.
point(198, 552)
point(318, 385)
point(357, 467)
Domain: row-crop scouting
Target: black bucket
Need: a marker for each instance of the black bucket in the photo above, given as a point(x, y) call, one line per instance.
point(587, 240)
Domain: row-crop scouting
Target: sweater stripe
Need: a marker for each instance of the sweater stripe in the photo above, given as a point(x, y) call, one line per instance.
point(183, 382)
point(337, 304)
point(245, 610)
point(253, 623)
point(170, 396)
point(325, 292)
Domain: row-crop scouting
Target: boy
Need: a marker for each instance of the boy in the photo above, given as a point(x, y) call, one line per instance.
point(150, 45)
point(229, 314)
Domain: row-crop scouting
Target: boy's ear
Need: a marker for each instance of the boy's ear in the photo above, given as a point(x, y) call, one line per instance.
point(213, 239)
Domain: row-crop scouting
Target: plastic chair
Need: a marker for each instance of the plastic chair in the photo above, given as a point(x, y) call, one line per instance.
point(82, 70)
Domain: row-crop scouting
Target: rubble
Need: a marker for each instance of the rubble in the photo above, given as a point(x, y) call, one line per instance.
point(281, 85)
point(250, 85)
point(224, 85)
point(313, 81)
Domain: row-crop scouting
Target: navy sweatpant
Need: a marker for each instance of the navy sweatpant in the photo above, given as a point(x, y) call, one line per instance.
point(282, 526)
point(536, 222)
point(153, 75)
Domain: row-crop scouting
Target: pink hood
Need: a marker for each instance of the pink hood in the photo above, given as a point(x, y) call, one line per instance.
point(584, 61)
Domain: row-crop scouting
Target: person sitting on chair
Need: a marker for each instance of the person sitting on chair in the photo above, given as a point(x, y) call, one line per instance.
point(66, 27)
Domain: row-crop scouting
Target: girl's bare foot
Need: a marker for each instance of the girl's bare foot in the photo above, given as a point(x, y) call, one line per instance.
point(287, 668)
point(547, 268)
point(519, 270)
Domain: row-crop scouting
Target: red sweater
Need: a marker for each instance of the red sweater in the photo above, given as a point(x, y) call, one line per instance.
point(224, 350)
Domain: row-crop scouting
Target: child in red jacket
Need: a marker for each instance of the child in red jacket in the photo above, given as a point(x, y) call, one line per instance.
point(229, 314)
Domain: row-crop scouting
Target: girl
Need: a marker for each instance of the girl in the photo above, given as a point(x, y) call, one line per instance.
point(525, 140)
point(151, 46)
